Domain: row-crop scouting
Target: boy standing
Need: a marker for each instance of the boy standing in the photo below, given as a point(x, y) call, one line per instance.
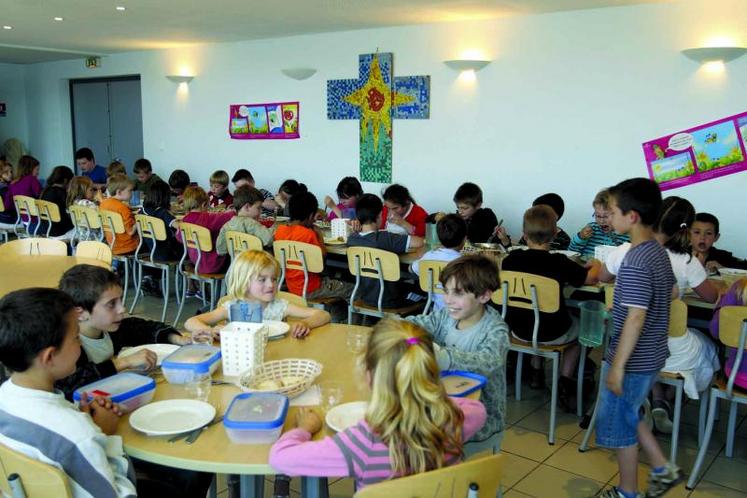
point(472, 336)
point(120, 191)
point(219, 194)
point(39, 344)
point(247, 201)
point(145, 176)
point(638, 349)
point(703, 234)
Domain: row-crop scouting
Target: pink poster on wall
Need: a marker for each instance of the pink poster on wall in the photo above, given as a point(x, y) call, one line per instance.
point(278, 120)
point(697, 154)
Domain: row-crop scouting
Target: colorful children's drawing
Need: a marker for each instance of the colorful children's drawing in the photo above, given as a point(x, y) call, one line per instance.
point(698, 154)
point(264, 121)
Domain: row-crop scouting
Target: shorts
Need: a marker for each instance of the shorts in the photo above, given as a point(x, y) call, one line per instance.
point(618, 416)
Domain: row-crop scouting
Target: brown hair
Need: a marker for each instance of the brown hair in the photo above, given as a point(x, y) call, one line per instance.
point(118, 182)
point(246, 195)
point(115, 168)
point(219, 176)
point(473, 273)
point(77, 189)
point(194, 198)
point(26, 165)
point(540, 224)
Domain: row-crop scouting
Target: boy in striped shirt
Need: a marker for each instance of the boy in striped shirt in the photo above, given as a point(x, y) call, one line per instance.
point(638, 347)
point(599, 232)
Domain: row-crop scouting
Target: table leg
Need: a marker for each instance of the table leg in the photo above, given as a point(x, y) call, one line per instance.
point(252, 486)
point(314, 487)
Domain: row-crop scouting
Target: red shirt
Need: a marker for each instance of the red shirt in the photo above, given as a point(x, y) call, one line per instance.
point(211, 262)
point(294, 278)
point(415, 216)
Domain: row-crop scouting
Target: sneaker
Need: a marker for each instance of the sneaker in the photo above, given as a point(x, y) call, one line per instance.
point(660, 483)
point(661, 416)
point(613, 492)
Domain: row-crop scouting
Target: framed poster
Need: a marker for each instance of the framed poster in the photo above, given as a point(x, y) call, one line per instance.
point(277, 120)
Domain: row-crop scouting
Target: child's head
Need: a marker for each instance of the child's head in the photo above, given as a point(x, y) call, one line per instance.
point(120, 187)
point(61, 176)
point(218, 182)
point(675, 219)
point(634, 201)
point(452, 231)
point(178, 181)
point(159, 196)
point(116, 168)
point(143, 170)
point(348, 191)
point(601, 205)
point(302, 207)
point(247, 201)
point(6, 172)
point(27, 165)
point(291, 187)
point(39, 329)
point(81, 187)
point(84, 159)
point(554, 201)
point(469, 282)
point(368, 209)
point(253, 275)
point(97, 295)
point(397, 199)
point(409, 406)
point(195, 199)
point(242, 177)
point(468, 199)
point(704, 232)
point(540, 224)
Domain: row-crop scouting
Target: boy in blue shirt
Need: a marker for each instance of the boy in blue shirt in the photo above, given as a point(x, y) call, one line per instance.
point(88, 167)
point(638, 348)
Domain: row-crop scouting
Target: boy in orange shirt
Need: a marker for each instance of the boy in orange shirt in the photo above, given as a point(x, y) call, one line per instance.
point(120, 188)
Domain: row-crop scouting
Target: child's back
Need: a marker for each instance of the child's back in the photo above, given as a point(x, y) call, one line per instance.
point(124, 243)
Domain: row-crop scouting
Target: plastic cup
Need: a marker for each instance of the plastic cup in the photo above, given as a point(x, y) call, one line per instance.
point(591, 326)
point(331, 394)
point(357, 340)
point(199, 387)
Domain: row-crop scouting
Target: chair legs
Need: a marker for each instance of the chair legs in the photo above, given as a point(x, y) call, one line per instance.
point(676, 421)
point(580, 382)
point(165, 277)
point(554, 397)
point(184, 297)
point(517, 378)
point(731, 429)
point(127, 280)
point(712, 408)
point(137, 273)
point(587, 435)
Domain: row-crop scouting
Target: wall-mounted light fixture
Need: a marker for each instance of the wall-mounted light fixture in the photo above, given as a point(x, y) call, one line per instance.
point(179, 78)
point(467, 64)
point(706, 55)
point(299, 73)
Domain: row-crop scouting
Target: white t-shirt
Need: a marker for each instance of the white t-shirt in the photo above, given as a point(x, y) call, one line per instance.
point(98, 350)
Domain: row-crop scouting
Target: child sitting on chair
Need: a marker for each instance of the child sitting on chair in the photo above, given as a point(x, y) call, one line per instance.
point(247, 201)
point(599, 232)
point(120, 188)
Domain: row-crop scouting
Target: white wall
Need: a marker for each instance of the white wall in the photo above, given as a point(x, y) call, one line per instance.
point(564, 107)
point(12, 92)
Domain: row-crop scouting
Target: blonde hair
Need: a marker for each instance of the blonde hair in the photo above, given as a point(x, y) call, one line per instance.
point(220, 177)
point(539, 224)
point(740, 290)
point(194, 198)
point(409, 408)
point(77, 189)
point(116, 168)
point(602, 199)
point(246, 267)
point(115, 183)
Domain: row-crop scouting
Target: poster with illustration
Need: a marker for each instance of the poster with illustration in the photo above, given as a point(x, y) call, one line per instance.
point(698, 154)
point(264, 121)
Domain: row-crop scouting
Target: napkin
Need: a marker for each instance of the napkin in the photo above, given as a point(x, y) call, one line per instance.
point(311, 397)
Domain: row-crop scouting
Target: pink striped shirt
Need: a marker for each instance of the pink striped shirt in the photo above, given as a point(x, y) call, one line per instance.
point(355, 452)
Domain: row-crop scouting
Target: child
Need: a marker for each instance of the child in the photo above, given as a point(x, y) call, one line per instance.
point(253, 278)
point(196, 202)
point(638, 347)
point(178, 181)
point(481, 222)
point(369, 214)
point(410, 426)
point(104, 329)
point(598, 232)
point(348, 191)
point(401, 214)
point(247, 201)
point(705, 233)
point(6, 176)
point(452, 233)
point(56, 192)
point(244, 177)
point(288, 189)
point(157, 203)
point(115, 168)
point(88, 167)
point(145, 178)
point(555, 328)
point(735, 296)
point(39, 344)
point(81, 192)
point(302, 207)
point(473, 337)
point(561, 240)
point(219, 194)
point(25, 183)
point(120, 188)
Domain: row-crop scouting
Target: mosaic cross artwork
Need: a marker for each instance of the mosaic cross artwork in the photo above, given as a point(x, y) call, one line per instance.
point(376, 98)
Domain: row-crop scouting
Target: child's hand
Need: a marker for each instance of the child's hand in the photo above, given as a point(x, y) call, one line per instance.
point(395, 218)
point(142, 360)
point(180, 339)
point(713, 266)
point(502, 235)
point(615, 377)
point(207, 335)
point(299, 330)
point(308, 420)
point(103, 411)
point(329, 202)
point(586, 232)
point(355, 226)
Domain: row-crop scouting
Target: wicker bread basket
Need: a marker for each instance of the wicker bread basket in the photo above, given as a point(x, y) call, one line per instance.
point(303, 371)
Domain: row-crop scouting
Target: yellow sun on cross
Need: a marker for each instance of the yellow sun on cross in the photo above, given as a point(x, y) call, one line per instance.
point(376, 98)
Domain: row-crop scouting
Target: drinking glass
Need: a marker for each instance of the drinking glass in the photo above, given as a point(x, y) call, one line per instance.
point(198, 387)
point(331, 393)
point(357, 340)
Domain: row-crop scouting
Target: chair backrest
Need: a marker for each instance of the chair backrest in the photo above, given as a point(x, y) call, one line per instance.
point(677, 318)
point(429, 273)
point(196, 237)
point(293, 255)
point(609, 296)
point(25, 205)
point(732, 321)
point(35, 246)
point(85, 217)
point(49, 212)
point(528, 291)
point(239, 242)
point(292, 298)
point(94, 249)
point(450, 481)
point(150, 227)
point(112, 224)
point(39, 479)
point(373, 263)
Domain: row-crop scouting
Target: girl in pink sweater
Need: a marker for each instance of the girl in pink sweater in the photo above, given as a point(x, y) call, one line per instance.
point(410, 426)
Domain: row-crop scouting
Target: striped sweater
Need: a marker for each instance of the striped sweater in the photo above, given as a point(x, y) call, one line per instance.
point(598, 238)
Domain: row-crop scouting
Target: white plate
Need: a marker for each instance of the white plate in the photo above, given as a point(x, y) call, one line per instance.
point(570, 254)
point(346, 415)
point(282, 219)
point(161, 350)
point(277, 329)
point(172, 416)
point(732, 271)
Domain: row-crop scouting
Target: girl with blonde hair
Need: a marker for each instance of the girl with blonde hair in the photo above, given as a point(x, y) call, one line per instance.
point(253, 279)
point(410, 425)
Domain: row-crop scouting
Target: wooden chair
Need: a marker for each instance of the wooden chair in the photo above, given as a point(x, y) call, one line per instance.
point(49, 213)
point(5, 228)
point(197, 238)
point(291, 298)
point(733, 334)
point(25, 208)
point(35, 246)
point(429, 273)
point(112, 225)
point(153, 229)
point(86, 220)
point(367, 262)
point(94, 249)
point(451, 481)
point(540, 295)
point(39, 480)
point(307, 258)
point(238, 242)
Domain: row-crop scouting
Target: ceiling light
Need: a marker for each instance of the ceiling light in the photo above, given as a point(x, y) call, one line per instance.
point(467, 64)
point(58, 19)
point(7, 27)
point(120, 8)
point(713, 54)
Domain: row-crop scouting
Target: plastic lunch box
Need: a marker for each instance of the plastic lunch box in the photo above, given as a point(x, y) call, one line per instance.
point(190, 361)
point(459, 383)
point(129, 390)
point(255, 418)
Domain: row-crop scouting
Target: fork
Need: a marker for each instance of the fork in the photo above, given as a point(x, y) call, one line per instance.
point(197, 432)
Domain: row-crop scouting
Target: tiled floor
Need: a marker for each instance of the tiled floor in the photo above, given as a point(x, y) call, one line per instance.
point(535, 469)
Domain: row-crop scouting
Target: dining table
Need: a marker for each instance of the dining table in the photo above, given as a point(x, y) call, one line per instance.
point(20, 271)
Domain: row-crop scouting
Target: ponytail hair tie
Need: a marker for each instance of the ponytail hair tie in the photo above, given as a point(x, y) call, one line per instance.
point(683, 225)
point(412, 340)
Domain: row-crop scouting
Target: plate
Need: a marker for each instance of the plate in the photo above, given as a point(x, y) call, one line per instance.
point(282, 219)
point(161, 350)
point(277, 329)
point(570, 254)
point(173, 416)
point(732, 271)
point(346, 415)
point(333, 241)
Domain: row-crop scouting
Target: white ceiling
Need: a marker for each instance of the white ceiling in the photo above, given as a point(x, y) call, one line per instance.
point(95, 27)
